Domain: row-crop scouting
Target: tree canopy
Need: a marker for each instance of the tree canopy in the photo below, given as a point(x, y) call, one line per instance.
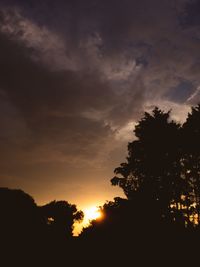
point(163, 166)
point(61, 215)
point(160, 215)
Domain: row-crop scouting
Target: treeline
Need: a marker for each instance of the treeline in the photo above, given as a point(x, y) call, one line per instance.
point(32, 235)
point(161, 180)
point(158, 220)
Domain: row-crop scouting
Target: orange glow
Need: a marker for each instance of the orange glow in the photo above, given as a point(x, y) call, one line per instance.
point(92, 213)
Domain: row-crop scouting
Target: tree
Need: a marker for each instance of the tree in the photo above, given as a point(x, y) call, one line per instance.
point(152, 173)
point(20, 216)
point(191, 161)
point(22, 228)
point(35, 235)
point(60, 215)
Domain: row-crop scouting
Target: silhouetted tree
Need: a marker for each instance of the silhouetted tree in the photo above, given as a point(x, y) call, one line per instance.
point(22, 228)
point(191, 161)
point(19, 214)
point(152, 173)
point(33, 235)
point(60, 216)
point(161, 179)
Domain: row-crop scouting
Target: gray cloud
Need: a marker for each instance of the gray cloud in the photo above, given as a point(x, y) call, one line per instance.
point(76, 76)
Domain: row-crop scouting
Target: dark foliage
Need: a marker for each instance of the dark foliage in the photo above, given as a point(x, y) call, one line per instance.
point(60, 216)
point(162, 169)
point(32, 235)
point(158, 222)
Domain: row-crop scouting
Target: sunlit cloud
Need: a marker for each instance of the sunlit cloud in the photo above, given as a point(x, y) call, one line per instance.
point(195, 97)
point(178, 111)
point(126, 132)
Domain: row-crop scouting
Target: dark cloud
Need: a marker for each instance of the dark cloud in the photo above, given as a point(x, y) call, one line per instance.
point(181, 92)
point(189, 16)
point(75, 77)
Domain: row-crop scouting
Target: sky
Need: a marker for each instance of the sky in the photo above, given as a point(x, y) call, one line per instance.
point(75, 77)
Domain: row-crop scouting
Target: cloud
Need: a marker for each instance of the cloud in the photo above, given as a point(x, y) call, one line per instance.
point(47, 46)
point(178, 111)
point(194, 97)
point(77, 75)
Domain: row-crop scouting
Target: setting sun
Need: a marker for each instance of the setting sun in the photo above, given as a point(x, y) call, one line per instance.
point(92, 213)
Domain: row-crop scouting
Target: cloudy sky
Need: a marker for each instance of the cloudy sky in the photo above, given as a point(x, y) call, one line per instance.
point(75, 76)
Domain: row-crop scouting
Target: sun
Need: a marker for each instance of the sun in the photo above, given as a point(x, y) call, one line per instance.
point(92, 213)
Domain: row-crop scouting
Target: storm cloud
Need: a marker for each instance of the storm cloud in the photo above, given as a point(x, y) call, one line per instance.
point(76, 76)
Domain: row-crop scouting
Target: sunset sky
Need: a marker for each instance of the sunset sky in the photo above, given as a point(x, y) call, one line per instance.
point(76, 75)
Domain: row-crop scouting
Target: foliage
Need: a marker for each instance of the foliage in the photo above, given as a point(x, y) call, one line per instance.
point(159, 218)
point(61, 216)
point(163, 166)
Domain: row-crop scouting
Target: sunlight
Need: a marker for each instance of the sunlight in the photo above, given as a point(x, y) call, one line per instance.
point(92, 213)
